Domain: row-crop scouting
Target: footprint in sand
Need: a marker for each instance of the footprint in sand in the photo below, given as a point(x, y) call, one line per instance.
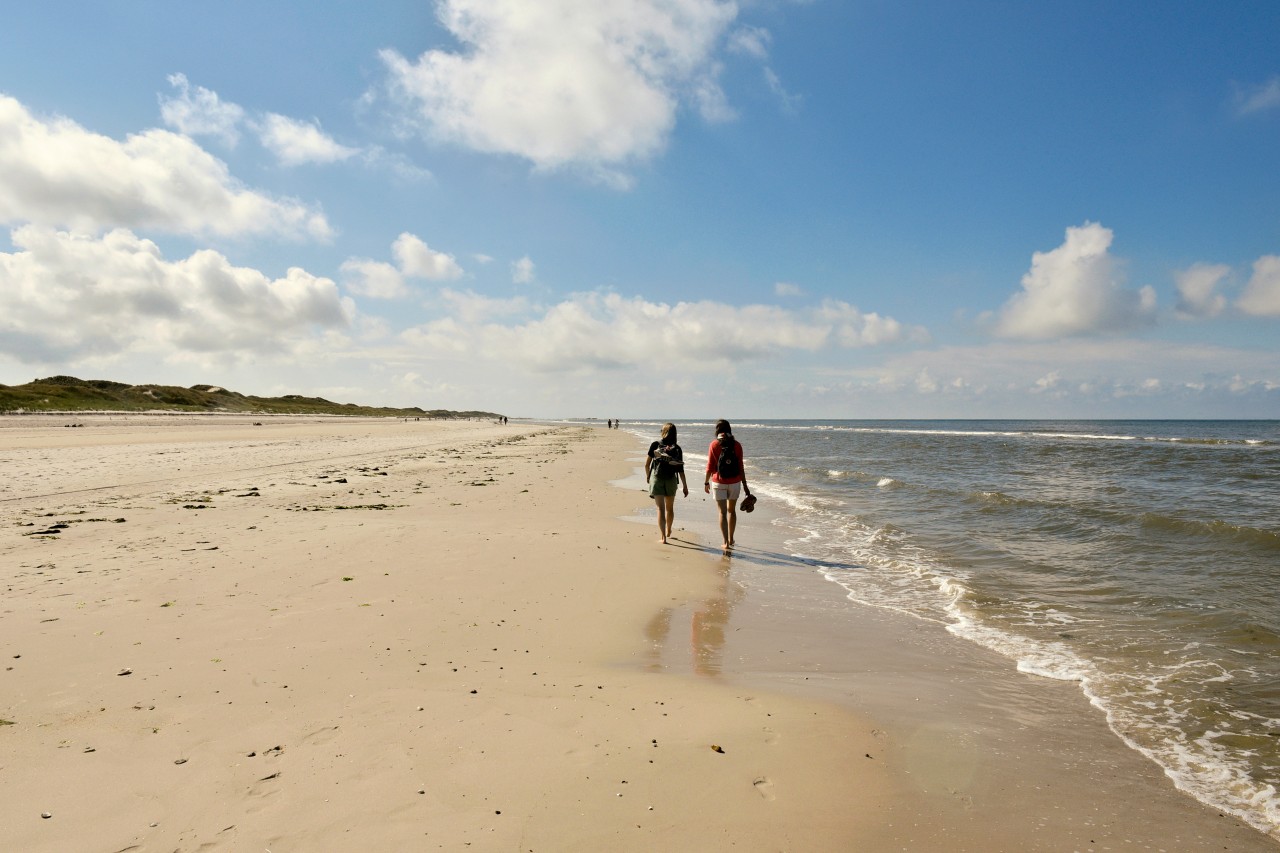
point(764, 787)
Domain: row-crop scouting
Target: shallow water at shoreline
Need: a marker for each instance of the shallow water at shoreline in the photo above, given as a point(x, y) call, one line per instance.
point(1134, 559)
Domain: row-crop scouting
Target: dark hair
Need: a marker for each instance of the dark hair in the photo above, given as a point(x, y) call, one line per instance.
point(669, 433)
point(722, 426)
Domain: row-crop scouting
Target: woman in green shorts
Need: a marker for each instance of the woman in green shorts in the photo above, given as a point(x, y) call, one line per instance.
point(664, 470)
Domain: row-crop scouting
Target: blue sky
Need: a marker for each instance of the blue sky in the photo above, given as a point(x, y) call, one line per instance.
point(671, 208)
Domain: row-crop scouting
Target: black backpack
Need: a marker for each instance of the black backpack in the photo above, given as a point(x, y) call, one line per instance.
point(668, 460)
point(728, 465)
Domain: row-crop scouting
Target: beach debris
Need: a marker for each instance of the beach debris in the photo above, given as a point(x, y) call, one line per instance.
point(7, 723)
point(46, 815)
point(125, 671)
point(275, 775)
point(715, 747)
point(180, 761)
point(275, 750)
point(348, 578)
point(89, 749)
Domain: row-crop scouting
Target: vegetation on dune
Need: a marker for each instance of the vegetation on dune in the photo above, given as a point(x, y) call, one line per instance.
point(69, 394)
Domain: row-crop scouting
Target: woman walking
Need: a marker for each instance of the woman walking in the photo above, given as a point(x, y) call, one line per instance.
point(725, 468)
point(663, 467)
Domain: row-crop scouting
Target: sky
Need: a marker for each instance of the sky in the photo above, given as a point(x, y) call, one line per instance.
point(651, 208)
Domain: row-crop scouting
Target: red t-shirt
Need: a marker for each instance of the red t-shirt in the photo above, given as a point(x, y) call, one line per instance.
point(713, 457)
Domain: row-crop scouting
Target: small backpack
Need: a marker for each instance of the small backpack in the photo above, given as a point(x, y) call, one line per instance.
point(728, 466)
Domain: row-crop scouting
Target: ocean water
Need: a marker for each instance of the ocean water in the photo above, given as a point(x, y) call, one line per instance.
point(1139, 559)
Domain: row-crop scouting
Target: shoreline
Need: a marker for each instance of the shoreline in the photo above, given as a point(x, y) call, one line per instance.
point(957, 720)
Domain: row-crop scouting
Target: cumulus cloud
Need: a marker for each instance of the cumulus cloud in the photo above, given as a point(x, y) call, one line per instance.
point(66, 296)
point(608, 331)
point(561, 82)
point(200, 112)
point(297, 142)
point(57, 173)
point(1075, 289)
point(1198, 290)
point(375, 279)
point(419, 260)
point(1258, 98)
point(1261, 296)
point(414, 259)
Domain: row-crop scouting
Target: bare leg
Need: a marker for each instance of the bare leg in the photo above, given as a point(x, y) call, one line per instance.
point(733, 521)
point(663, 524)
point(726, 531)
point(671, 514)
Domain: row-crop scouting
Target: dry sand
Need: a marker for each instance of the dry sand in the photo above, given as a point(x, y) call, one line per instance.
point(372, 635)
point(320, 634)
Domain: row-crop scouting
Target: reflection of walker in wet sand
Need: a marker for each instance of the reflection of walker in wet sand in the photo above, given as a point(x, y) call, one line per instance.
point(706, 627)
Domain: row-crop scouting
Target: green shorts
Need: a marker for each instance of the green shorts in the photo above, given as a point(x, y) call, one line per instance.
point(663, 487)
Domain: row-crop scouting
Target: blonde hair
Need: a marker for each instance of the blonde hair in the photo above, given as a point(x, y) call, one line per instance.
point(669, 433)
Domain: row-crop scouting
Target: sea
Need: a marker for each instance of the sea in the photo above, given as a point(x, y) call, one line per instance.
point(1137, 559)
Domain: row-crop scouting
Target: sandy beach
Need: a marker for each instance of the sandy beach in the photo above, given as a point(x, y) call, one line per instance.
point(327, 634)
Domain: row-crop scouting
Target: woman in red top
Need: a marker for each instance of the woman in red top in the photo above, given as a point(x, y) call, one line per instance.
point(726, 469)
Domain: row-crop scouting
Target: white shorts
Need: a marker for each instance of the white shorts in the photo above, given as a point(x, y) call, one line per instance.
point(726, 491)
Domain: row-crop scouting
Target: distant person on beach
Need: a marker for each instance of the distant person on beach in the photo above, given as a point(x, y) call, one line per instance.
point(664, 469)
point(726, 469)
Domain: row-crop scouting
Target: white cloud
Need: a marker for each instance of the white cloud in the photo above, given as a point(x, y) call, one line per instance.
point(561, 82)
point(523, 271)
point(1082, 377)
point(296, 142)
point(786, 288)
point(750, 41)
point(67, 296)
point(57, 173)
point(293, 142)
point(1197, 290)
point(414, 259)
point(474, 308)
point(1075, 289)
point(419, 260)
point(201, 113)
point(375, 279)
point(1259, 98)
point(790, 102)
point(606, 331)
point(1261, 296)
